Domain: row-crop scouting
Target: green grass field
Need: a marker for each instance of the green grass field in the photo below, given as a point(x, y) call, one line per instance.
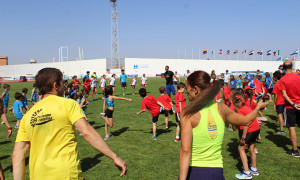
point(149, 159)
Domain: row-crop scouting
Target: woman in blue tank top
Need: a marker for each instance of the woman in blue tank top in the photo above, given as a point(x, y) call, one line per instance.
point(107, 114)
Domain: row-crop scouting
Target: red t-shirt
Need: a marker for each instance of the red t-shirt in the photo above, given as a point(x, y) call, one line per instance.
point(254, 126)
point(251, 105)
point(150, 103)
point(291, 83)
point(217, 97)
point(248, 87)
point(226, 94)
point(76, 83)
point(232, 107)
point(87, 85)
point(280, 98)
point(165, 100)
point(265, 89)
point(259, 86)
point(179, 97)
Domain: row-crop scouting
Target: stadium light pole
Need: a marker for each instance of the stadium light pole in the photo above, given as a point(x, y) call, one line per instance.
point(114, 34)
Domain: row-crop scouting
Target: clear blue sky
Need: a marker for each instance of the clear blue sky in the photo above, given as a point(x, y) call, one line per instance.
point(147, 28)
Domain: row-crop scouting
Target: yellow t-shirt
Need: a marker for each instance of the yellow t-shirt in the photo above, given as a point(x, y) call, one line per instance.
point(48, 126)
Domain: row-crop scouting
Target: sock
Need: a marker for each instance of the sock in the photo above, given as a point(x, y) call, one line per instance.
point(106, 136)
point(253, 169)
point(167, 127)
point(247, 172)
point(177, 137)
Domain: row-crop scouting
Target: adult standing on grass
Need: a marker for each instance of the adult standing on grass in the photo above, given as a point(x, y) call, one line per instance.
point(226, 77)
point(4, 119)
point(202, 129)
point(289, 85)
point(123, 81)
point(48, 129)
point(169, 81)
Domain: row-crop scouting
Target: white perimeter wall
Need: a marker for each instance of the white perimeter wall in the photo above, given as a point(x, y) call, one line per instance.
point(69, 68)
point(151, 67)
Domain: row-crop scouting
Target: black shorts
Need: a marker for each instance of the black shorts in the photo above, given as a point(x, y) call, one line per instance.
point(270, 91)
point(250, 137)
point(279, 108)
point(123, 84)
point(109, 113)
point(177, 117)
point(111, 85)
point(291, 117)
point(155, 119)
point(167, 112)
point(206, 173)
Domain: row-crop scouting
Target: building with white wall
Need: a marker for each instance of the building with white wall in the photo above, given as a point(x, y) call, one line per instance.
point(139, 66)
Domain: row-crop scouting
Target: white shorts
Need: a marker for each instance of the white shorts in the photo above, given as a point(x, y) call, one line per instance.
point(93, 85)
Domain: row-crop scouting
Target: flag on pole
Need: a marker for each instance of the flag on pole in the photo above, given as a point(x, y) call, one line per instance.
point(251, 53)
point(295, 52)
point(220, 52)
point(235, 52)
point(278, 53)
point(205, 51)
point(244, 51)
point(275, 52)
point(259, 53)
point(285, 59)
point(228, 52)
point(279, 59)
point(293, 59)
point(269, 53)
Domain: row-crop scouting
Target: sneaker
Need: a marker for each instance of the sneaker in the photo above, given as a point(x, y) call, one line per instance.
point(107, 138)
point(255, 173)
point(173, 109)
point(293, 153)
point(177, 139)
point(167, 129)
point(256, 151)
point(280, 132)
point(16, 126)
point(243, 175)
point(154, 137)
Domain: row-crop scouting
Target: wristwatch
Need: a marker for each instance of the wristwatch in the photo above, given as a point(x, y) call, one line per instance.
point(243, 138)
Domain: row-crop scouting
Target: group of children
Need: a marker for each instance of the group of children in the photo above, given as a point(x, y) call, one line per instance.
point(20, 106)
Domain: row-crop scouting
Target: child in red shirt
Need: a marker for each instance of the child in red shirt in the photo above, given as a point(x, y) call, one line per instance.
point(179, 106)
point(248, 135)
point(278, 100)
point(87, 84)
point(167, 102)
point(153, 106)
point(75, 81)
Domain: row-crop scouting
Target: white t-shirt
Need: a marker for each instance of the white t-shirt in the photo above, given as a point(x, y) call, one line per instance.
point(103, 82)
point(94, 82)
point(226, 77)
point(112, 81)
point(144, 79)
point(133, 82)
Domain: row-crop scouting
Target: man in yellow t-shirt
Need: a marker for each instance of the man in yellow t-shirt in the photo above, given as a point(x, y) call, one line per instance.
point(48, 129)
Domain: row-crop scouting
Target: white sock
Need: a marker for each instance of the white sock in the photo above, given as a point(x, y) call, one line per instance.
point(247, 172)
point(177, 137)
point(253, 169)
point(167, 127)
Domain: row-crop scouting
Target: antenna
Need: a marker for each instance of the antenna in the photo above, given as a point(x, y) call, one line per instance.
point(114, 34)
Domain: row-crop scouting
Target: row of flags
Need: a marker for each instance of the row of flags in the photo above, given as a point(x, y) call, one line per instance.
point(269, 53)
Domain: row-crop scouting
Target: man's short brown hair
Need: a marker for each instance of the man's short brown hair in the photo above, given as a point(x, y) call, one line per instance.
point(45, 79)
point(162, 89)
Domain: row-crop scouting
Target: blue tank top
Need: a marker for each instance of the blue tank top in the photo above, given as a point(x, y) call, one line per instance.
point(6, 98)
point(34, 96)
point(83, 108)
point(109, 103)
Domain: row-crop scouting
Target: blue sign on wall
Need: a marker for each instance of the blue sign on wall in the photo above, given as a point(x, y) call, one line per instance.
point(135, 66)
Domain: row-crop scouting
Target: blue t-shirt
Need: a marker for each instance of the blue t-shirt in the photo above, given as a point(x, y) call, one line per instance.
point(17, 112)
point(268, 82)
point(123, 77)
point(25, 101)
point(248, 77)
point(72, 94)
point(6, 99)
point(233, 83)
point(109, 103)
point(239, 82)
point(251, 82)
point(86, 76)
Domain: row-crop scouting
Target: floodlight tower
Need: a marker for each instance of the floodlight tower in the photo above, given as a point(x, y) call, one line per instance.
point(114, 34)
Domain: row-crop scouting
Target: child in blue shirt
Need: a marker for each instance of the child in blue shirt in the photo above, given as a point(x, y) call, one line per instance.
point(239, 81)
point(5, 97)
point(233, 82)
point(34, 95)
point(25, 104)
point(17, 108)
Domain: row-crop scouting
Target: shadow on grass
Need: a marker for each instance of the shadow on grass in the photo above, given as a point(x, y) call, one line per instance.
point(5, 142)
point(9, 168)
point(234, 152)
point(98, 127)
point(88, 163)
point(273, 117)
point(161, 131)
point(4, 157)
point(91, 122)
point(119, 131)
point(271, 125)
point(279, 140)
